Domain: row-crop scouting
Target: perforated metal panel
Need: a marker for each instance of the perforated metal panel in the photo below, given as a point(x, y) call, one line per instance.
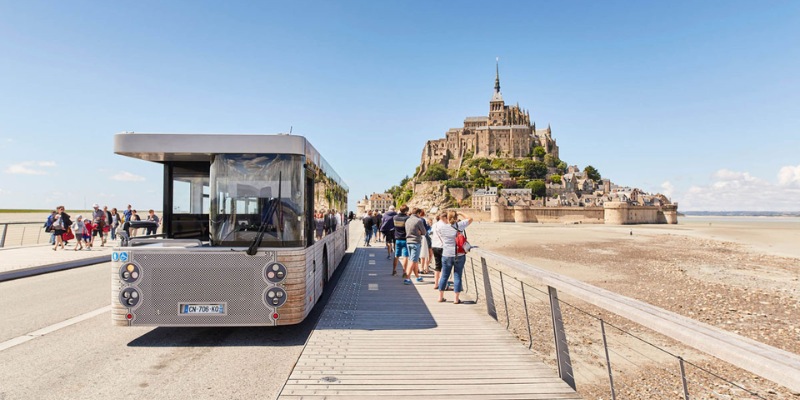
point(169, 279)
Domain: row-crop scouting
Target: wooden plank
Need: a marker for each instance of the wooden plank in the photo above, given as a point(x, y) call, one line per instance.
point(380, 338)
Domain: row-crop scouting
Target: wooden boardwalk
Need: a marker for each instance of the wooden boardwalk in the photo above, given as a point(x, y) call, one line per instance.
point(378, 338)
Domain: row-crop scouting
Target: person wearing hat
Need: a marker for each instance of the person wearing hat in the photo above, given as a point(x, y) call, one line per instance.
point(99, 222)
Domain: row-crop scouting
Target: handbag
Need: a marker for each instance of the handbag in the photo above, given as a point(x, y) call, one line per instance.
point(68, 235)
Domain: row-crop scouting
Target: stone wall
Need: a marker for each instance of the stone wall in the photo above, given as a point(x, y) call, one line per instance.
point(613, 213)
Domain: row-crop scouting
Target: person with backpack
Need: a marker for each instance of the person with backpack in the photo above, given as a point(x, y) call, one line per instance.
point(453, 255)
point(48, 226)
point(387, 228)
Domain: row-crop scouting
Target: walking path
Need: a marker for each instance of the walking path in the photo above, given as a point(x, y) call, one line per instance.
point(17, 262)
point(378, 338)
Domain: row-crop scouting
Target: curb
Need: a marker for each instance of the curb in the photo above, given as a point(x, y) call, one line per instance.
point(44, 269)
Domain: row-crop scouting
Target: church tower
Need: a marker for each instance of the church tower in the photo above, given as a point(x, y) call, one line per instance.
point(497, 105)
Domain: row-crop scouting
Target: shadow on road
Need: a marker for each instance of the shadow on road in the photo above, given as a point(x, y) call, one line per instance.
point(291, 335)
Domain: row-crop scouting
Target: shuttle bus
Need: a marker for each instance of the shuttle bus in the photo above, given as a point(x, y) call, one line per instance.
point(241, 245)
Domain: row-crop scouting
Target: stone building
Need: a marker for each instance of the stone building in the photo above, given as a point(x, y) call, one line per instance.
point(482, 199)
point(507, 131)
point(379, 201)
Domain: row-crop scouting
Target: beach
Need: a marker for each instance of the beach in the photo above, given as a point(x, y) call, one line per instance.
point(739, 274)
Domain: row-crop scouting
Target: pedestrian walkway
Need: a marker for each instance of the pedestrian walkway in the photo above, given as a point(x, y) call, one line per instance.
point(378, 338)
point(16, 262)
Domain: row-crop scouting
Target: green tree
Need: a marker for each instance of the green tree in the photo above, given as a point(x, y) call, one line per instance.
point(497, 163)
point(592, 173)
point(435, 172)
point(550, 161)
point(562, 167)
point(555, 178)
point(534, 169)
point(539, 152)
point(454, 184)
point(537, 187)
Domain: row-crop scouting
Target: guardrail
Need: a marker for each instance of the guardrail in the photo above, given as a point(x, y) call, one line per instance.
point(590, 340)
point(18, 234)
point(23, 234)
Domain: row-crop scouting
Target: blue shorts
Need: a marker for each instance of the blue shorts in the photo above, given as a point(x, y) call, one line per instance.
point(400, 249)
point(413, 251)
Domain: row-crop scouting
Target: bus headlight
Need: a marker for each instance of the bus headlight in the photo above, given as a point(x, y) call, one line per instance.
point(129, 297)
point(275, 297)
point(275, 272)
point(129, 272)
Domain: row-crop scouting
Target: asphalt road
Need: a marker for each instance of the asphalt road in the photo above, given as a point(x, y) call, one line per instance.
point(94, 360)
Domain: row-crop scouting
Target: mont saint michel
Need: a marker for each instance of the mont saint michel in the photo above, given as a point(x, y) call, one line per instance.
point(504, 166)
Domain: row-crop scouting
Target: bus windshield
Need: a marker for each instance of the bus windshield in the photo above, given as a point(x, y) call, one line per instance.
point(252, 192)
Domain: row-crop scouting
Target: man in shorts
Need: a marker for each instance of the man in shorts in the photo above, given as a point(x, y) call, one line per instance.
point(415, 234)
point(387, 228)
point(400, 248)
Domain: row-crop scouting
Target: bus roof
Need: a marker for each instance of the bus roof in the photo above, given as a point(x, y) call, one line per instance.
point(167, 147)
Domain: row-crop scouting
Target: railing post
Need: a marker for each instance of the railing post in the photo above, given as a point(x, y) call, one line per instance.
point(3, 238)
point(683, 379)
point(505, 302)
point(474, 279)
point(560, 336)
point(527, 319)
point(487, 287)
point(22, 237)
point(608, 360)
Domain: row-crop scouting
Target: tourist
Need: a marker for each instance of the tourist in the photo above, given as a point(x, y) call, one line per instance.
point(400, 248)
point(319, 224)
point(115, 221)
point(87, 233)
point(152, 217)
point(425, 246)
point(48, 226)
point(107, 227)
point(376, 220)
point(64, 225)
point(387, 228)
point(436, 247)
point(453, 259)
point(369, 223)
point(98, 223)
point(78, 229)
point(58, 228)
point(415, 233)
point(134, 217)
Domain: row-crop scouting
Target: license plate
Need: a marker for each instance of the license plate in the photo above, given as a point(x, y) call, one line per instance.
point(202, 308)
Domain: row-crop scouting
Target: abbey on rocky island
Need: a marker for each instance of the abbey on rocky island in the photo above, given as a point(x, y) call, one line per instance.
point(506, 132)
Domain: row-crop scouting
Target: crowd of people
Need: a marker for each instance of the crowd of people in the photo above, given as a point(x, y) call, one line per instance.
point(414, 240)
point(97, 228)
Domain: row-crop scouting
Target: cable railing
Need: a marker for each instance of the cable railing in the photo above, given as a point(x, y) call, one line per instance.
point(610, 346)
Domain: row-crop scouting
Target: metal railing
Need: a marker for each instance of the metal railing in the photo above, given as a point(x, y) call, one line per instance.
point(19, 234)
point(609, 346)
point(15, 234)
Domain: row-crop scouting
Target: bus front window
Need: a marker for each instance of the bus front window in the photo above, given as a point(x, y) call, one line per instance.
point(252, 192)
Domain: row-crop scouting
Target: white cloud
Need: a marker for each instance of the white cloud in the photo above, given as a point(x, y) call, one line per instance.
point(789, 175)
point(741, 191)
point(667, 188)
point(127, 177)
point(30, 168)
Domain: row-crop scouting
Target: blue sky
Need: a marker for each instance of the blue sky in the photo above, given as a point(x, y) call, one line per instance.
point(698, 100)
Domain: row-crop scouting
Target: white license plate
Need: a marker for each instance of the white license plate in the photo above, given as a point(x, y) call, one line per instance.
point(202, 308)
